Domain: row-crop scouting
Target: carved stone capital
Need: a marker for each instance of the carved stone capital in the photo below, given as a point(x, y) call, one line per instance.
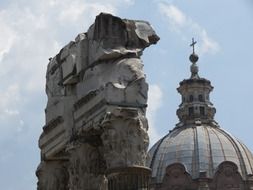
point(125, 138)
point(227, 177)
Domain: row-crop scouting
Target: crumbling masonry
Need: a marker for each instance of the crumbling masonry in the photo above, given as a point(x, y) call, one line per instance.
point(95, 137)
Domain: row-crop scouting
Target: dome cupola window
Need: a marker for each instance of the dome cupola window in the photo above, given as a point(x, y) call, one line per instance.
point(202, 111)
point(191, 98)
point(201, 99)
point(191, 111)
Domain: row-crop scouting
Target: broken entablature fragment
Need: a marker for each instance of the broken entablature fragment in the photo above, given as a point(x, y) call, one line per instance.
point(95, 114)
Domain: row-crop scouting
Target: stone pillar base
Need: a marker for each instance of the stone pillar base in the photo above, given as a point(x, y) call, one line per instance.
point(128, 178)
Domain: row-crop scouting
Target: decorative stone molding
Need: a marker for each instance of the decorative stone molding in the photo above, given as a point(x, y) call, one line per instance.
point(227, 177)
point(84, 100)
point(52, 124)
point(176, 178)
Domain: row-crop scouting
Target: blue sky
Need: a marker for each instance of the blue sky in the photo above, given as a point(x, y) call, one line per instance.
point(31, 31)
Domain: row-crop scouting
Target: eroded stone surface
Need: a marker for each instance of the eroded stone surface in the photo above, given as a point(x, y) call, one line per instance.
point(52, 175)
point(125, 138)
point(95, 114)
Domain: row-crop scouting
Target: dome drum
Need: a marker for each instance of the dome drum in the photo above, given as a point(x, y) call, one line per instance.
point(226, 177)
point(203, 151)
point(193, 112)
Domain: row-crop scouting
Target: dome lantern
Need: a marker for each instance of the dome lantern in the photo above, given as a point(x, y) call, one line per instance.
point(196, 106)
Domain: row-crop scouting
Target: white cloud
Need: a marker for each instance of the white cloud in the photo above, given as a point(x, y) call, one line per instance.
point(9, 99)
point(76, 10)
point(11, 112)
point(7, 37)
point(175, 16)
point(208, 45)
point(179, 22)
point(73, 12)
point(155, 96)
point(129, 2)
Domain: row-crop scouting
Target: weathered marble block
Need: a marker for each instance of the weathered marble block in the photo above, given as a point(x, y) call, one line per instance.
point(95, 114)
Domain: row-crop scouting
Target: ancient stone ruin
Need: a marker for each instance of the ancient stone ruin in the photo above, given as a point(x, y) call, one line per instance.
point(95, 136)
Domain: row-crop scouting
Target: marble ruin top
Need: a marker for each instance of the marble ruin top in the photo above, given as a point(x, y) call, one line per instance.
point(96, 128)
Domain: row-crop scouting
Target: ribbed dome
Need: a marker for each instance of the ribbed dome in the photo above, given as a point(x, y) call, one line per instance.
point(199, 149)
point(197, 153)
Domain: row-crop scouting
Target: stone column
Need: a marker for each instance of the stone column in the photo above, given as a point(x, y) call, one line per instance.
point(52, 175)
point(125, 142)
point(129, 178)
point(86, 168)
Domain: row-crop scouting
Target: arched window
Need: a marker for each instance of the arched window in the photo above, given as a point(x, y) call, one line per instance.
point(202, 111)
point(201, 99)
point(191, 111)
point(191, 98)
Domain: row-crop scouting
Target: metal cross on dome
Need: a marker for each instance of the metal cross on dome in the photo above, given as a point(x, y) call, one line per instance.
point(192, 44)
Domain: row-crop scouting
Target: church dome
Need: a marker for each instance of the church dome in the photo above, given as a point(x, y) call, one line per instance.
point(197, 153)
point(201, 149)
